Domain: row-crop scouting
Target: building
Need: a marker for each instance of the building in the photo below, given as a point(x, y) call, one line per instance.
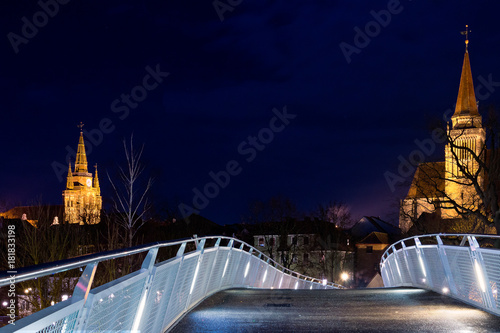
point(82, 197)
point(439, 188)
point(311, 247)
point(371, 236)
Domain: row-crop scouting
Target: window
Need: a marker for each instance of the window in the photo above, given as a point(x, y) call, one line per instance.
point(306, 258)
point(261, 241)
point(369, 249)
point(306, 240)
point(294, 240)
point(271, 241)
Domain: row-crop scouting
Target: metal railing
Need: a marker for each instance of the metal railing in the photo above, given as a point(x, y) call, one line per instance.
point(153, 298)
point(465, 267)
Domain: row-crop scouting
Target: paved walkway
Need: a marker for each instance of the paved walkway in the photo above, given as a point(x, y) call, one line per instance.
point(364, 310)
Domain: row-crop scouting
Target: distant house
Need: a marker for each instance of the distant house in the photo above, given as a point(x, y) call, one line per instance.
point(311, 247)
point(372, 237)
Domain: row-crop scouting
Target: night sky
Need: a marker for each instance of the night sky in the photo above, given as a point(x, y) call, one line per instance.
point(287, 95)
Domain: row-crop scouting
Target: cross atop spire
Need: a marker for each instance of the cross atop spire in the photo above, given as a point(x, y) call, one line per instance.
point(466, 33)
point(466, 100)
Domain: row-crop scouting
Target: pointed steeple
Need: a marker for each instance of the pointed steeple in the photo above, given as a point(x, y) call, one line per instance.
point(466, 101)
point(81, 157)
point(96, 181)
point(69, 181)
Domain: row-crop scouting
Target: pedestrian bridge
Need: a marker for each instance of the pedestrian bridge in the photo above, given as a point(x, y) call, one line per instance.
point(442, 271)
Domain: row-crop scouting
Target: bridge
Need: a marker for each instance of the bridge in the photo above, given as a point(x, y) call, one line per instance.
point(436, 283)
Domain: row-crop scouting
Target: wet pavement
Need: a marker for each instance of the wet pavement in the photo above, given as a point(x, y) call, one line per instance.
point(352, 310)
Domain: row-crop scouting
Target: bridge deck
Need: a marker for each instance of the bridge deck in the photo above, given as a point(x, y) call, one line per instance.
point(365, 310)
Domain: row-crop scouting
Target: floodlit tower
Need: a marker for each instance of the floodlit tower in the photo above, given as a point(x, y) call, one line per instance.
point(466, 131)
point(82, 197)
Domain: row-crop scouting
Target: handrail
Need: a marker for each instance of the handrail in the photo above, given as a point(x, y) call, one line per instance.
point(464, 271)
point(152, 298)
point(41, 270)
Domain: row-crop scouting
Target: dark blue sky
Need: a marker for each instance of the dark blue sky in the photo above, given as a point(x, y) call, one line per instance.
point(354, 116)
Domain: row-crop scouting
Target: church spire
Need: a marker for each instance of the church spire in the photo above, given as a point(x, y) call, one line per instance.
point(81, 157)
point(96, 181)
point(466, 101)
point(69, 181)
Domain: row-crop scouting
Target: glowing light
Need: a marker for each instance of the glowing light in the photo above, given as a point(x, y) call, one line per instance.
point(281, 281)
point(311, 287)
point(479, 276)
point(52, 303)
point(194, 278)
point(324, 282)
point(397, 267)
point(344, 276)
point(445, 290)
point(265, 276)
point(296, 285)
point(137, 320)
point(246, 269)
point(422, 265)
point(225, 266)
point(64, 297)
point(5, 303)
point(26, 291)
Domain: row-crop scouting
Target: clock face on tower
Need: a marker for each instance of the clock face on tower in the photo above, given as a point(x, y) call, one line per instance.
point(89, 182)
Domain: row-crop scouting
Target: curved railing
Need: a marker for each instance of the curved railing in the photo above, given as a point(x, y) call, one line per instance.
point(465, 267)
point(153, 298)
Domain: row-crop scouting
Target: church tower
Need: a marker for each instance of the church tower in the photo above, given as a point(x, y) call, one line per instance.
point(82, 197)
point(466, 131)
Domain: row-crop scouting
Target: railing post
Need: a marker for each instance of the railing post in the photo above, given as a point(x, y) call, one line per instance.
point(405, 255)
point(230, 246)
point(247, 267)
point(200, 248)
point(180, 255)
point(481, 275)
point(81, 291)
point(423, 263)
point(217, 245)
point(148, 266)
point(446, 266)
point(256, 273)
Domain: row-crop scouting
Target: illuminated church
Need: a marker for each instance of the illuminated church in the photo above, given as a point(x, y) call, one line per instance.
point(440, 187)
point(82, 197)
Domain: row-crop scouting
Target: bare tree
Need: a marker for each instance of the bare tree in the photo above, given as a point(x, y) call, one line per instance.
point(131, 194)
point(333, 243)
point(41, 241)
point(476, 173)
